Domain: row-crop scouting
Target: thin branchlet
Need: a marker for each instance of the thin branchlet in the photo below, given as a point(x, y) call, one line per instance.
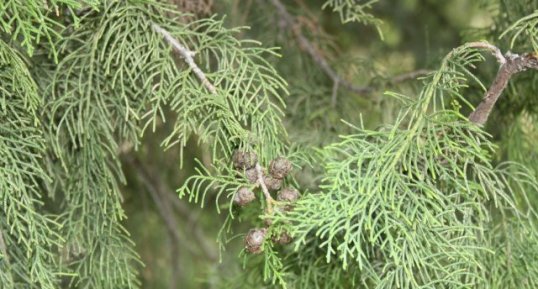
point(268, 199)
point(187, 55)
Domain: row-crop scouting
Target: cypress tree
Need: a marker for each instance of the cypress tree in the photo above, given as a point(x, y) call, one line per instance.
point(323, 170)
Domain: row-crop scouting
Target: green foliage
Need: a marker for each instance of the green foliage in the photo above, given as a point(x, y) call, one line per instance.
point(514, 263)
point(18, 85)
point(424, 201)
point(27, 233)
point(116, 77)
point(407, 203)
point(31, 21)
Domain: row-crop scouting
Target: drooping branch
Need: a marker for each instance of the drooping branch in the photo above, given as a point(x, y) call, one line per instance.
point(187, 55)
point(510, 64)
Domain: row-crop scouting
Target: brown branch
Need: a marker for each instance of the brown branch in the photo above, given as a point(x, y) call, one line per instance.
point(511, 64)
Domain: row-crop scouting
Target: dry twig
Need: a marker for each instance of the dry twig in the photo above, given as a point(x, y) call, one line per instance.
point(187, 55)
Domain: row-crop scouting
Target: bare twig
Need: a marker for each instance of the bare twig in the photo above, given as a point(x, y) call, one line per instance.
point(265, 191)
point(510, 64)
point(187, 55)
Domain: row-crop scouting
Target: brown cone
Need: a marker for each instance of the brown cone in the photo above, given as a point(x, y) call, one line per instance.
point(244, 196)
point(251, 175)
point(280, 167)
point(254, 240)
point(244, 160)
point(273, 184)
point(288, 195)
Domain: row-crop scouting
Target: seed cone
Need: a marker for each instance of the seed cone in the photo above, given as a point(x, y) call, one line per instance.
point(254, 240)
point(244, 196)
point(288, 195)
point(272, 184)
point(251, 175)
point(280, 167)
point(244, 160)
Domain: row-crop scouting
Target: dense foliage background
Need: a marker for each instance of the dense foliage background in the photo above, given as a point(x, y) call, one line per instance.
point(104, 123)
